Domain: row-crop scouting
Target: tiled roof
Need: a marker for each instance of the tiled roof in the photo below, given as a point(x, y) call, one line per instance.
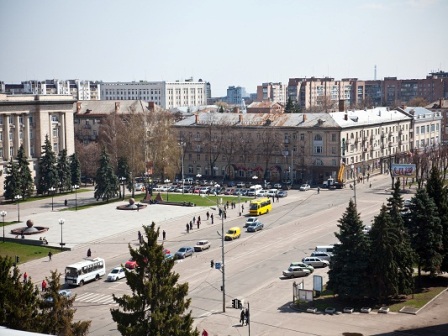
point(108, 106)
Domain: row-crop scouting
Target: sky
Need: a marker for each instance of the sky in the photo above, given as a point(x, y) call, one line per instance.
point(232, 42)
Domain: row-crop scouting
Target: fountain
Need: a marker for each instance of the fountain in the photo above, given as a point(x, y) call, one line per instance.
point(30, 229)
point(131, 205)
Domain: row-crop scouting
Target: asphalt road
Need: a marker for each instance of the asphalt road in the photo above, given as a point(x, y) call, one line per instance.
point(253, 266)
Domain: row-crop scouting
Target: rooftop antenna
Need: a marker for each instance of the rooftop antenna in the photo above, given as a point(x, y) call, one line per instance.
point(374, 73)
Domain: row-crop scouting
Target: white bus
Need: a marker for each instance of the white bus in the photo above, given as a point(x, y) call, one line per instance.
point(83, 271)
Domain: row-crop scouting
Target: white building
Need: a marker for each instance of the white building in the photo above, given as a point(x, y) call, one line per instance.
point(165, 94)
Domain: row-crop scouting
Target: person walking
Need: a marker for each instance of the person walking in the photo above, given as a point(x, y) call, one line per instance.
point(191, 225)
point(139, 234)
point(188, 227)
point(211, 217)
point(89, 253)
point(50, 254)
point(318, 190)
point(242, 317)
point(198, 223)
point(247, 316)
point(163, 235)
point(25, 277)
point(44, 285)
point(208, 215)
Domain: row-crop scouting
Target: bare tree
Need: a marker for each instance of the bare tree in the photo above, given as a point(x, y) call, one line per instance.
point(88, 157)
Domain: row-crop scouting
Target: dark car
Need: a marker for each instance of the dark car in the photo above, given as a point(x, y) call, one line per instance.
point(282, 193)
point(184, 252)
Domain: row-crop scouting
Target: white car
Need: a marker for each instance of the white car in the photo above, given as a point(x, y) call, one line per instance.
point(295, 271)
point(304, 187)
point(272, 192)
point(116, 274)
point(250, 220)
point(202, 245)
point(315, 262)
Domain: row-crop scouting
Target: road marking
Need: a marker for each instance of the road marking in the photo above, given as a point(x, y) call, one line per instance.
point(96, 298)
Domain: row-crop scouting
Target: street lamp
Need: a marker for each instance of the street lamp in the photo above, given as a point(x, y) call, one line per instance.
point(3, 214)
point(182, 145)
point(52, 190)
point(61, 222)
point(354, 183)
point(123, 179)
point(223, 268)
point(76, 195)
point(18, 198)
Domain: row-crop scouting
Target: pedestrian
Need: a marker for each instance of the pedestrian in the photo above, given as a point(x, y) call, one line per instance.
point(208, 215)
point(211, 217)
point(25, 277)
point(199, 219)
point(242, 317)
point(277, 198)
point(50, 254)
point(318, 190)
point(242, 208)
point(139, 234)
point(194, 219)
point(163, 235)
point(198, 223)
point(247, 316)
point(225, 214)
point(191, 225)
point(370, 185)
point(220, 212)
point(273, 199)
point(44, 285)
point(188, 228)
point(89, 253)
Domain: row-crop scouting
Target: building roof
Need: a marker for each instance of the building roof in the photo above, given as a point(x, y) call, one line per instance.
point(348, 119)
point(105, 107)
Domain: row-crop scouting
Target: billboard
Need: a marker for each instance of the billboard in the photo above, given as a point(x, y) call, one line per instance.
point(403, 170)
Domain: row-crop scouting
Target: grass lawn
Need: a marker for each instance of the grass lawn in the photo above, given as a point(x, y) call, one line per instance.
point(431, 287)
point(25, 252)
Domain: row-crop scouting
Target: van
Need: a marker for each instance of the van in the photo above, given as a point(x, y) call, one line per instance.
point(233, 233)
point(322, 255)
point(325, 248)
point(253, 190)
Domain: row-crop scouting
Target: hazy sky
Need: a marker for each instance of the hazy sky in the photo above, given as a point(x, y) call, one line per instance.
point(227, 42)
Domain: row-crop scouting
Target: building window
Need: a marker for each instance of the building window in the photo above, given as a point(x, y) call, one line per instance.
point(302, 137)
point(318, 149)
point(190, 169)
point(333, 137)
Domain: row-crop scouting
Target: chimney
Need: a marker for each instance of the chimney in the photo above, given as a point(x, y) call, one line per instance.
point(341, 105)
point(240, 117)
point(345, 116)
point(304, 117)
point(78, 107)
point(151, 106)
point(117, 107)
point(440, 102)
point(196, 118)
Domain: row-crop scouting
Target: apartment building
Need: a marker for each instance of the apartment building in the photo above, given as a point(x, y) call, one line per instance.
point(274, 92)
point(79, 89)
point(304, 147)
point(167, 95)
point(235, 95)
point(26, 120)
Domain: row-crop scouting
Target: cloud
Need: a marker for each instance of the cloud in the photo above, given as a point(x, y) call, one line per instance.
point(422, 3)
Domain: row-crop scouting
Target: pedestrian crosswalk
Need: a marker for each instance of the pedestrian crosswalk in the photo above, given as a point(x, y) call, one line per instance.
point(104, 299)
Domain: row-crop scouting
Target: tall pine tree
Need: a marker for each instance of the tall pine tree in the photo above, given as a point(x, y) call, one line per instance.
point(425, 232)
point(26, 180)
point(12, 181)
point(439, 194)
point(48, 174)
point(348, 275)
point(403, 254)
point(106, 181)
point(64, 173)
point(158, 303)
point(75, 170)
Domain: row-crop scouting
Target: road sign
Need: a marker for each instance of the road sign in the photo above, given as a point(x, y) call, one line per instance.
point(217, 265)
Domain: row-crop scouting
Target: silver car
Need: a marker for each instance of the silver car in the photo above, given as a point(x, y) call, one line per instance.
point(315, 262)
point(184, 252)
point(295, 271)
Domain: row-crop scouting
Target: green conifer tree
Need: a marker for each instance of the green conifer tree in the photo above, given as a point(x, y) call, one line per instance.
point(350, 279)
point(12, 181)
point(439, 193)
point(158, 303)
point(425, 232)
point(48, 174)
point(26, 179)
point(289, 108)
point(106, 181)
point(75, 170)
point(64, 173)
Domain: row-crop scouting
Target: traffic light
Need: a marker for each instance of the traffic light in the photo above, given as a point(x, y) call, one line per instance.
point(212, 263)
point(240, 304)
point(234, 303)
point(17, 259)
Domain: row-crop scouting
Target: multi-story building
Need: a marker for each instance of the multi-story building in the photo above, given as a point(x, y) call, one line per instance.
point(235, 95)
point(167, 95)
point(307, 147)
point(426, 131)
point(88, 115)
point(79, 89)
point(274, 92)
point(26, 120)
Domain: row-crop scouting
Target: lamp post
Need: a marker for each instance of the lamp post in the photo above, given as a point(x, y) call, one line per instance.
point(52, 190)
point(354, 183)
point(76, 187)
point(3, 214)
point(122, 180)
point(18, 198)
point(61, 222)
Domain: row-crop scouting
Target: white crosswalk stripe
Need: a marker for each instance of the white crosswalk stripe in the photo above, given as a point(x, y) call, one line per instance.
point(95, 298)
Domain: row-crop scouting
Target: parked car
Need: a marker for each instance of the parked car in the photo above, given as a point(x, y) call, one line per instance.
point(366, 229)
point(261, 193)
point(116, 274)
point(229, 191)
point(295, 271)
point(277, 185)
point(272, 192)
point(282, 193)
point(250, 220)
point(304, 187)
point(256, 226)
point(302, 265)
point(63, 292)
point(233, 233)
point(202, 245)
point(241, 184)
point(315, 262)
point(131, 264)
point(184, 252)
point(322, 255)
point(204, 190)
